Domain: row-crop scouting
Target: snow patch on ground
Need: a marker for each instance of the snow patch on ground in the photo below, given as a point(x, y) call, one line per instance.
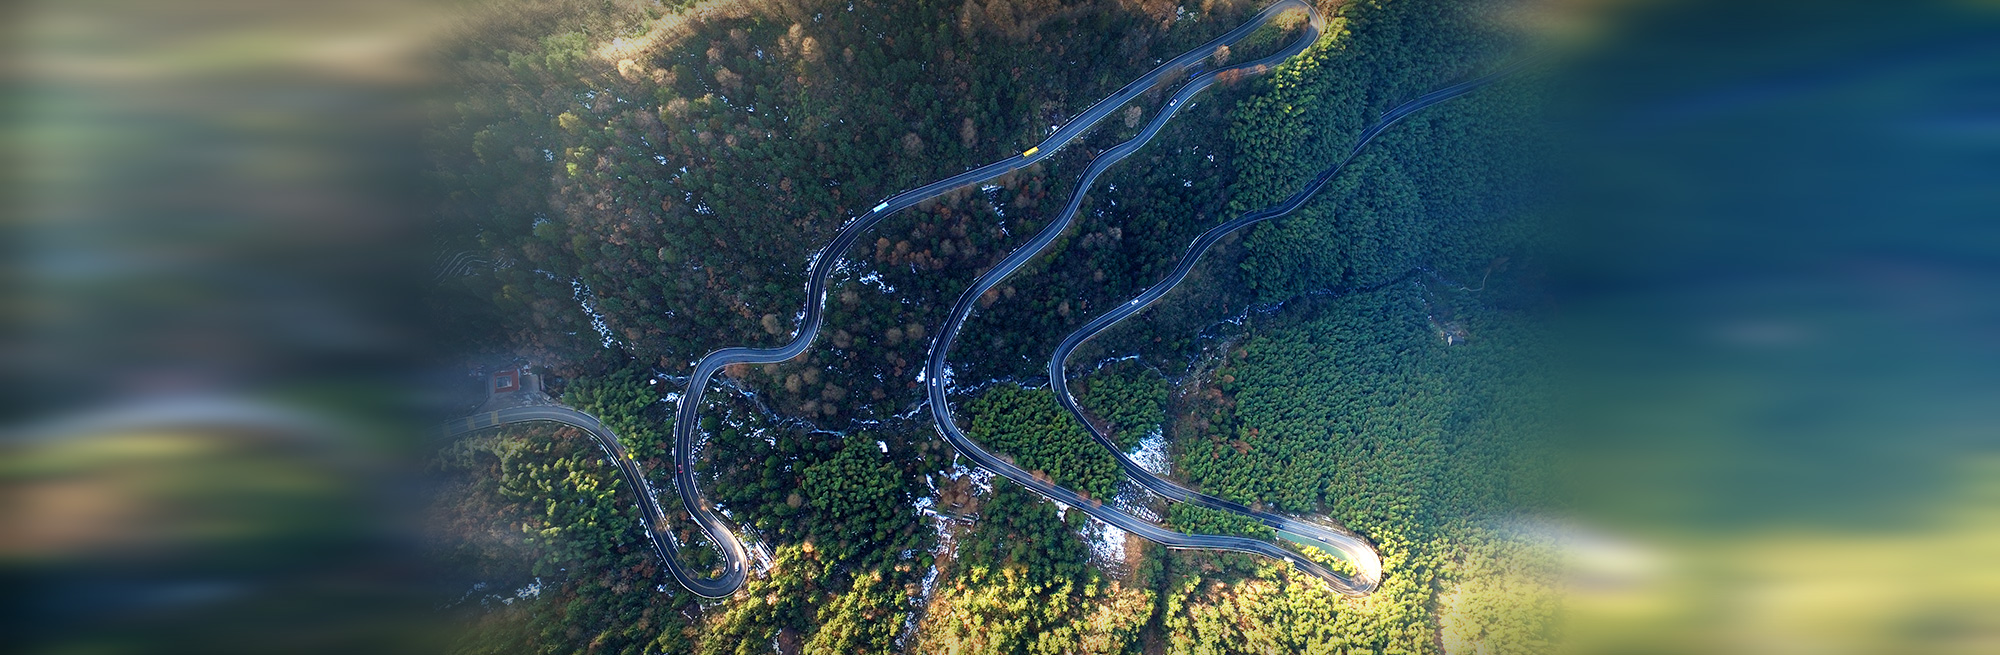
point(1137, 501)
point(941, 525)
point(1107, 544)
point(980, 477)
point(929, 584)
point(919, 408)
point(587, 300)
point(1151, 453)
point(533, 590)
point(760, 555)
point(874, 279)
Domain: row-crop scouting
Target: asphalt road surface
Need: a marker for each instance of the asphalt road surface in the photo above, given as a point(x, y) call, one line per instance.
point(656, 520)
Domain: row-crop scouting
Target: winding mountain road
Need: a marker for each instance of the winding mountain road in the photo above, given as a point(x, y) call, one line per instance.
point(936, 371)
point(1348, 546)
point(824, 262)
point(1356, 551)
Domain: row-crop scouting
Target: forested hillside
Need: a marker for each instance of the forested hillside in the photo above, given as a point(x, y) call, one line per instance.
point(1371, 360)
point(681, 193)
point(1130, 400)
point(521, 516)
point(1401, 404)
point(1028, 426)
point(1020, 586)
point(1436, 191)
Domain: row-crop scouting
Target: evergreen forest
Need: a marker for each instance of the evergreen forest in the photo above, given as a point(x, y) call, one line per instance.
point(645, 183)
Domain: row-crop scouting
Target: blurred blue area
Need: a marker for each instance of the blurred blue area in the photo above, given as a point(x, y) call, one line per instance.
point(1783, 288)
point(211, 224)
point(1788, 210)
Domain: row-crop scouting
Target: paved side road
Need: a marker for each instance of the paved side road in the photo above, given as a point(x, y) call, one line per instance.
point(635, 479)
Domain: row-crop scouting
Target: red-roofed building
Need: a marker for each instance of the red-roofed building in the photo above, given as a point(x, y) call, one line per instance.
point(507, 380)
